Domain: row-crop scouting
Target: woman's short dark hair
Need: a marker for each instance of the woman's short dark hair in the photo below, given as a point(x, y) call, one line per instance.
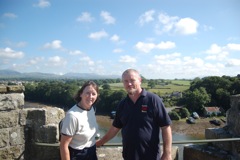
point(77, 97)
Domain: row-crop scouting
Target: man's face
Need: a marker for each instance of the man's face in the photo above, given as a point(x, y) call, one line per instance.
point(131, 82)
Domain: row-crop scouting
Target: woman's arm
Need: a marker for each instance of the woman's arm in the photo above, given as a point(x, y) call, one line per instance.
point(64, 151)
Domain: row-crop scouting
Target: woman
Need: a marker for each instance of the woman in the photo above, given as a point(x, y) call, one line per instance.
point(79, 127)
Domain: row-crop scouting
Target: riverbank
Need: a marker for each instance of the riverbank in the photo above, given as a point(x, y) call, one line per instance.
point(179, 127)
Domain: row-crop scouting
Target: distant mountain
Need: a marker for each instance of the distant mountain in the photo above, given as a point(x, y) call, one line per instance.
point(10, 74)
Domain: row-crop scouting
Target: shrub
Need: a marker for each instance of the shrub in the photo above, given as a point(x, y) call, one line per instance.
point(174, 115)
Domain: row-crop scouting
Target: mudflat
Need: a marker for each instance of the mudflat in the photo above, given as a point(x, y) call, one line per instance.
point(180, 127)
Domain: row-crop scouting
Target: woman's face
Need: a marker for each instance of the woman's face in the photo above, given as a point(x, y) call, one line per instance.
point(88, 97)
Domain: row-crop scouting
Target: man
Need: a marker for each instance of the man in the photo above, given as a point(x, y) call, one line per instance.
point(140, 116)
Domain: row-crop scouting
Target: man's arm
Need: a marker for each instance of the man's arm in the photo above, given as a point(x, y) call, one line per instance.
point(167, 143)
point(109, 135)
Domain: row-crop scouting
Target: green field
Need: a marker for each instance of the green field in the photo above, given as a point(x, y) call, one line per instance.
point(162, 89)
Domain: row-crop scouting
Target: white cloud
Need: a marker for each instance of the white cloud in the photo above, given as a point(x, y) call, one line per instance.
point(127, 59)
point(233, 62)
point(174, 24)
point(214, 49)
point(76, 52)
point(146, 17)
point(18, 44)
point(9, 53)
point(166, 45)
point(168, 59)
point(87, 60)
point(186, 26)
point(35, 60)
point(10, 15)
point(56, 44)
point(207, 28)
point(42, 4)
point(85, 17)
point(147, 47)
point(118, 50)
point(144, 47)
point(165, 23)
point(98, 35)
point(233, 46)
point(56, 61)
point(219, 53)
point(193, 62)
point(108, 19)
point(115, 38)
point(175, 66)
point(220, 56)
point(168, 56)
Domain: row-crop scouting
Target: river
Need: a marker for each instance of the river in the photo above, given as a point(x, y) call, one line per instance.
point(103, 128)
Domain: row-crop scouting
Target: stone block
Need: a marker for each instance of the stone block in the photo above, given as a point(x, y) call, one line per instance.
point(233, 116)
point(15, 89)
point(34, 117)
point(201, 152)
point(16, 136)
point(14, 152)
point(54, 115)
point(23, 113)
point(8, 119)
point(3, 89)
point(11, 101)
point(4, 137)
point(236, 149)
point(45, 153)
point(47, 133)
point(219, 133)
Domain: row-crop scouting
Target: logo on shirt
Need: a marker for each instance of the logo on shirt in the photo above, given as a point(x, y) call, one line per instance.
point(144, 108)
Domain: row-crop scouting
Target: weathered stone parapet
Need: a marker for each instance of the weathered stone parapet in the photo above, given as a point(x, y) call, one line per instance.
point(20, 128)
point(205, 152)
point(115, 153)
point(233, 116)
point(12, 137)
point(42, 125)
point(12, 89)
point(13, 101)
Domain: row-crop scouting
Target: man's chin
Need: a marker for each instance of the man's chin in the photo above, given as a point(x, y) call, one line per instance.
point(131, 92)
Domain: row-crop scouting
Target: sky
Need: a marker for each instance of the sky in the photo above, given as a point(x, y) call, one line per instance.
point(162, 39)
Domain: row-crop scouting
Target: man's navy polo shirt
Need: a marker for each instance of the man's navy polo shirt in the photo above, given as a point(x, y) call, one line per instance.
point(140, 124)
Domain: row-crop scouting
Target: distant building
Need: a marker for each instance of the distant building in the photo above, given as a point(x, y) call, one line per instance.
point(176, 94)
point(208, 111)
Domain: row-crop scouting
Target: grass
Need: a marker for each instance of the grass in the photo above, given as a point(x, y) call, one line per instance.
point(167, 87)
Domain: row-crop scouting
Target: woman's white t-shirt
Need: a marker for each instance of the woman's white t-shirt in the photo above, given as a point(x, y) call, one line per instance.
point(82, 126)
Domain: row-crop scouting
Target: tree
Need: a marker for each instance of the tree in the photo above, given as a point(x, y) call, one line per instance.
point(196, 100)
point(184, 112)
point(151, 84)
point(174, 115)
point(106, 86)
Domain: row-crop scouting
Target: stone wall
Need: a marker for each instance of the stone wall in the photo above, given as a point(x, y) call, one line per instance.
point(21, 127)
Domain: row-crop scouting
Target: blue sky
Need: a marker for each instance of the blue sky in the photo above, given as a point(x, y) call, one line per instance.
point(162, 39)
